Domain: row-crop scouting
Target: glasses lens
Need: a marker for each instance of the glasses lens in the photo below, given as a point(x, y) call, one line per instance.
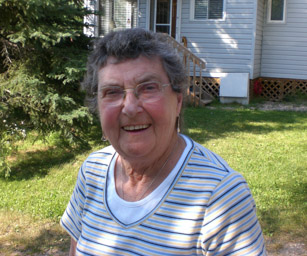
point(149, 91)
point(112, 95)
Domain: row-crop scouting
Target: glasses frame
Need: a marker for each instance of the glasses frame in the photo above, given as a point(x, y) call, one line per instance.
point(133, 90)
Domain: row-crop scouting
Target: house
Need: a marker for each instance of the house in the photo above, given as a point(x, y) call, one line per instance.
point(261, 44)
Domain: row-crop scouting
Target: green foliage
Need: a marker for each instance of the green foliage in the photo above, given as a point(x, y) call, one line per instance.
point(41, 22)
point(43, 52)
point(10, 131)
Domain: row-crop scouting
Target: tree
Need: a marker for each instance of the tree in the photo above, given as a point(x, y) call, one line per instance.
point(43, 56)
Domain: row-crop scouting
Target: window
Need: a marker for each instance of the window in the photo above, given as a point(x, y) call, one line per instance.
point(163, 16)
point(276, 10)
point(207, 9)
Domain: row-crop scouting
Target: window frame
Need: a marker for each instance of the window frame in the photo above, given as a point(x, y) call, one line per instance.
point(192, 12)
point(163, 24)
point(269, 11)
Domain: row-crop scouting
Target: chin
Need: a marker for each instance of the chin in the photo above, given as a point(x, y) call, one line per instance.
point(132, 152)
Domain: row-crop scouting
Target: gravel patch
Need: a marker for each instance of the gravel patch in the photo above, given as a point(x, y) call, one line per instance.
point(270, 106)
point(289, 249)
point(281, 106)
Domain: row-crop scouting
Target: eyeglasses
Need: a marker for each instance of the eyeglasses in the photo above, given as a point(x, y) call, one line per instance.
point(148, 92)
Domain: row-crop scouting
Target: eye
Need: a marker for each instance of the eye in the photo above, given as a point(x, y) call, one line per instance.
point(149, 87)
point(111, 92)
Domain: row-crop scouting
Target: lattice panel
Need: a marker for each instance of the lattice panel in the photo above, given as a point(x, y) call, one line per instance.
point(272, 89)
point(301, 86)
point(276, 89)
point(212, 86)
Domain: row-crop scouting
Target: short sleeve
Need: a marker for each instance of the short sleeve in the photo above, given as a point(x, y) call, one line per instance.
point(71, 220)
point(230, 225)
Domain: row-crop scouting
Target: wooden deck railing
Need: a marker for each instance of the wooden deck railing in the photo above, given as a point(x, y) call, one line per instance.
point(196, 93)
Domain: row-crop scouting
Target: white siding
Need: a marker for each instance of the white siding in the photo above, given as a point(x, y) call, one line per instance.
point(142, 14)
point(284, 49)
point(226, 45)
point(258, 39)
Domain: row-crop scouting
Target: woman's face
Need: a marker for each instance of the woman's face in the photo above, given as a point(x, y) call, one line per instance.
point(135, 128)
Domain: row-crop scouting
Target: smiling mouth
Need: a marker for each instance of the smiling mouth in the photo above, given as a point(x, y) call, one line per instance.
point(133, 128)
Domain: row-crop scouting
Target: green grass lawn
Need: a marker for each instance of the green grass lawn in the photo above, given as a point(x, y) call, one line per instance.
point(269, 148)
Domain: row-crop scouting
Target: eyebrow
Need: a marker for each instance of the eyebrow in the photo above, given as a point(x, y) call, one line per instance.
point(108, 84)
point(147, 77)
point(138, 80)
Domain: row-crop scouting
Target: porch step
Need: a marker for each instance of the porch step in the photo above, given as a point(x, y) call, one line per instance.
point(204, 101)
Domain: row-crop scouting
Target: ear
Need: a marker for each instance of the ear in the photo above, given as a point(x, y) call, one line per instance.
point(179, 103)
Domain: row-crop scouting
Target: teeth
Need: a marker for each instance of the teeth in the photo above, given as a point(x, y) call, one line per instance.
point(136, 127)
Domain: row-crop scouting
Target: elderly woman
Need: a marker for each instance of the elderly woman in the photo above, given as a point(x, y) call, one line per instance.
point(153, 191)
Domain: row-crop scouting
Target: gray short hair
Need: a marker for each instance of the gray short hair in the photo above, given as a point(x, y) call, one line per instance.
point(130, 44)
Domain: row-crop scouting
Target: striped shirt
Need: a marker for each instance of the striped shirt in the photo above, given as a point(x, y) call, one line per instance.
point(207, 210)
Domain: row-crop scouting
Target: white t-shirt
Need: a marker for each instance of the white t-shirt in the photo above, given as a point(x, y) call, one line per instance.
point(135, 211)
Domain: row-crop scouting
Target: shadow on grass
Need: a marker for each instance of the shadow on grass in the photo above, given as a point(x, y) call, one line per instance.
point(39, 162)
point(47, 241)
point(203, 124)
point(28, 164)
point(270, 221)
point(282, 219)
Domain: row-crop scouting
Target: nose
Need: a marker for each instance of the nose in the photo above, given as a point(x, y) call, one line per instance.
point(131, 104)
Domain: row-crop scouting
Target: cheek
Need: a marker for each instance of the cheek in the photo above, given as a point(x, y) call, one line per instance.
point(108, 119)
point(156, 110)
point(161, 112)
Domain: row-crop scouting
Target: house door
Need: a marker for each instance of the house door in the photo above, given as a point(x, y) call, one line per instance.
point(163, 16)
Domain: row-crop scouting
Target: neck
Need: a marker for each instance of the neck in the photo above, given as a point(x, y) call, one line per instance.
point(148, 165)
point(135, 181)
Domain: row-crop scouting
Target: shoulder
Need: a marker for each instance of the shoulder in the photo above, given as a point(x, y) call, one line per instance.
point(210, 170)
point(204, 159)
point(98, 161)
point(101, 155)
